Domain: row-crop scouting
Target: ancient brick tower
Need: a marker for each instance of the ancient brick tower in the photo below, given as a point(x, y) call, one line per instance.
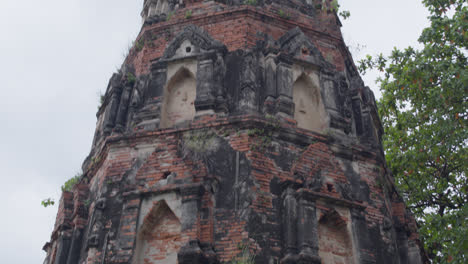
point(234, 131)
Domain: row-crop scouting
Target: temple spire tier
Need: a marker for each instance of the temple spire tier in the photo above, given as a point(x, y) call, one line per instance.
point(236, 131)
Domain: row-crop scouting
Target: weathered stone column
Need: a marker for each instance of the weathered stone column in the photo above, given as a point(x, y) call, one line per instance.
point(112, 107)
point(270, 84)
point(63, 243)
point(307, 230)
point(290, 226)
point(135, 102)
point(248, 93)
point(191, 197)
point(158, 80)
point(123, 107)
point(362, 239)
point(75, 247)
point(284, 86)
point(329, 90)
point(111, 111)
point(205, 100)
point(219, 72)
point(191, 253)
point(357, 105)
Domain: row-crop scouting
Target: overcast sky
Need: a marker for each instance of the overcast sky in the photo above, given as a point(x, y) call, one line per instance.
point(55, 58)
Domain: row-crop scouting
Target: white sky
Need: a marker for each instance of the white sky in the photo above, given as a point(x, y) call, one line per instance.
point(55, 57)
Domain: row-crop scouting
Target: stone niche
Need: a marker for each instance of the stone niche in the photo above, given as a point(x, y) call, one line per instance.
point(314, 230)
point(300, 82)
point(334, 234)
point(159, 230)
point(309, 111)
point(179, 94)
point(185, 80)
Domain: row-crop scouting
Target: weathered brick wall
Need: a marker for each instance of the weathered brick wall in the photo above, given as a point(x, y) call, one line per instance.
point(239, 27)
point(256, 220)
point(240, 178)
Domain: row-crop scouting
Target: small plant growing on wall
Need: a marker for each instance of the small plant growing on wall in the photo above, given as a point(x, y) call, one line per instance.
point(95, 160)
point(199, 141)
point(140, 44)
point(102, 97)
point(68, 185)
point(188, 14)
point(283, 14)
point(131, 79)
point(264, 135)
point(250, 2)
point(329, 58)
point(169, 16)
point(245, 257)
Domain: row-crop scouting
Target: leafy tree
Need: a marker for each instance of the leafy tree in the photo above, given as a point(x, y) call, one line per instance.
point(424, 113)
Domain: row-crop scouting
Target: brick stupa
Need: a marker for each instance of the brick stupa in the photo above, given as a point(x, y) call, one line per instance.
point(236, 131)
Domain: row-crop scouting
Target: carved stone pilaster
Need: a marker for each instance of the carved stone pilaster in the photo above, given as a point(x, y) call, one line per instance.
point(63, 249)
point(357, 113)
point(75, 246)
point(290, 226)
point(329, 91)
point(248, 87)
point(191, 198)
point(270, 93)
point(123, 108)
point(206, 94)
point(371, 120)
point(158, 80)
point(218, 77)
point(270, 76)
point(149, 104)
point(284, 85)
point(194, 252)
point(299, 226)
point(307, 230)
point(96, 225)
point(345, 99)
point(138, 93)
point(356, 85)
point(369, 132)
point(334, 101)
point(136, 100)
point(111, 109)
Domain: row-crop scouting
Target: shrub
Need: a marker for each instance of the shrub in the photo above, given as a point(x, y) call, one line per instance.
point(68, 185)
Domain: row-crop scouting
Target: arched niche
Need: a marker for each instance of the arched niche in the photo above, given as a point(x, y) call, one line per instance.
point(159, 236)
point(335, 242)
point(179, 95)
point(309, 111)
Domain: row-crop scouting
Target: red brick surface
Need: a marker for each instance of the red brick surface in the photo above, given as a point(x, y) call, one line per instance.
point(238, 27)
